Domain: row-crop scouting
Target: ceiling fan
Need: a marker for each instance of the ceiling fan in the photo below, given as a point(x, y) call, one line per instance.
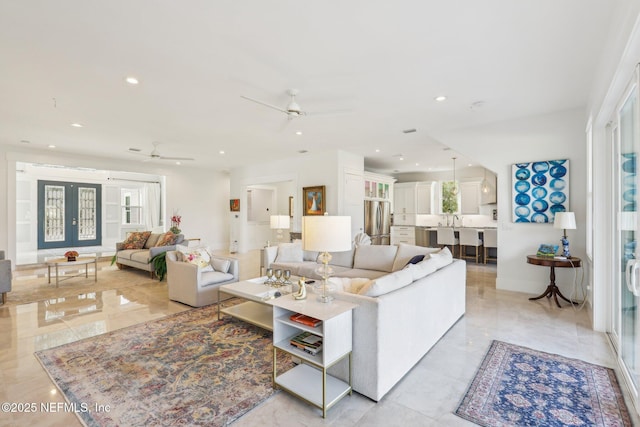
point(155, 154)
point(292, 110)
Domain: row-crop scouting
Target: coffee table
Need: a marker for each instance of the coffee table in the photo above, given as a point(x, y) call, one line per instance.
point(62, 262)
point(256, 309)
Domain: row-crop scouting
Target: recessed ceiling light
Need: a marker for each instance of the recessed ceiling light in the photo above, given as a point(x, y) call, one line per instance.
point(417, 164)
point(52, 146)
point(221, 151)
point(299, 133)
point(76, 125)
point(132, 80)
point(377, 150)
point(440, 98)
point(401, 158)
point(470, 164)
point(178, 163)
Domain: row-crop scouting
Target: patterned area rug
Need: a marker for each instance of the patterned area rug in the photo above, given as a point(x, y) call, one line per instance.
point(517, 386)
point(184, 369)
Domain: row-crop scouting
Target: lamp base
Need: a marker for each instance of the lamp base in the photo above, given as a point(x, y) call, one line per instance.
point(565, 247)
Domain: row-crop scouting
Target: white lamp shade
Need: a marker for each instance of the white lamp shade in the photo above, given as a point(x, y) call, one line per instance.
point(565, 220)
point(280, 222)
point(326, 233)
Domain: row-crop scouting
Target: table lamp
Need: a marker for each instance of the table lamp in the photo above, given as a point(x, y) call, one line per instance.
point(566, 221)
point(326, 234)
point(279, 223)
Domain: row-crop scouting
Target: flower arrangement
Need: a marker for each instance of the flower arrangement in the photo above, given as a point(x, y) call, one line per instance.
point(175, 223)
point(71, 255)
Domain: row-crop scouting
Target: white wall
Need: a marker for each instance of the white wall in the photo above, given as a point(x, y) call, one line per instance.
point(498, 146)
point(307, 170)
point(201, 196)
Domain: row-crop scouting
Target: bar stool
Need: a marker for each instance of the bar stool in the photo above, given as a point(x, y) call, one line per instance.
point(447, 237)
point(490, 241)
point(469, 237)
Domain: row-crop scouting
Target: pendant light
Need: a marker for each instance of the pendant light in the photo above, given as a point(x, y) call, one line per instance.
point(484, 187)
point(454, 190)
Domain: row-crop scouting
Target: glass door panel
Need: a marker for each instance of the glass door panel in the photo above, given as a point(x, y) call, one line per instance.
point(69, 214)
point(628, 289)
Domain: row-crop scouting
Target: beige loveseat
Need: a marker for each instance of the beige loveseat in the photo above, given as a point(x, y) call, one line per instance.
point(141, 258)
point(400, 315)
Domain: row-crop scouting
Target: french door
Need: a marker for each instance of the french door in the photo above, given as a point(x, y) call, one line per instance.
point(69, 214)
point(625, 296)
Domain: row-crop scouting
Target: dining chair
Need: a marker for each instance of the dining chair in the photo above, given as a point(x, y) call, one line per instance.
point(470, 237)
point(490, 241)
point(5, 277)
point(446, 237)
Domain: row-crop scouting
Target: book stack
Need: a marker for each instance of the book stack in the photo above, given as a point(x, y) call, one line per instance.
point(308, 342)
point(305, 320)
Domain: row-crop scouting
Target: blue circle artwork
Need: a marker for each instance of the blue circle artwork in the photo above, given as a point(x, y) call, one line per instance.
point(539, 205)
point(540, 190)
point(629, 181)
point(557, 184)
point(523, 174)
point(522, 186)
point(558, 171)
point(540, 167)
point(539, 193)
point(557, 197)
point(539, 218)
point(539, 179)
point(629, 195)
point(522, 199)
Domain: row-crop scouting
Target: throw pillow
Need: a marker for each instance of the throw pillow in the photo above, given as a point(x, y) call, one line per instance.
point(167, 239)
point(221, 265)
point(442, 258)
point(388, 283)
point(406, 252)
point(416, 259)
point(136, 240)
point(289, 252)
point(199, 257)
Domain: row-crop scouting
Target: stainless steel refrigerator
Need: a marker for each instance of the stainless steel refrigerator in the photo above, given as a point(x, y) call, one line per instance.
point(377, 221)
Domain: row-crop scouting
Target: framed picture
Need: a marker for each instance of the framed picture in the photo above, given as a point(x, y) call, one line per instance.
point(291, 206)
point(540, 190)
point(234, 205)
point(313, 199)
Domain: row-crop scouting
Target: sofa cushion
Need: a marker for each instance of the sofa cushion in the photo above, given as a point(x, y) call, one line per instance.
point(221, 265)
point(126, 253)
point(141, 255)
point(406, 252)
point(167, 239)
point(375, 257)
point(213, 277)
point(422, 268)
point(136, 240)
point(443, 257)
point(341, 259)
point(387, 283)
point(348, 284)
point(359, 272)
point(289, 252)
point(152, 240)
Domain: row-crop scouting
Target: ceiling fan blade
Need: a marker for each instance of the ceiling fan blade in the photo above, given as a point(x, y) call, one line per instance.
point(174, 158)
point(265, 104)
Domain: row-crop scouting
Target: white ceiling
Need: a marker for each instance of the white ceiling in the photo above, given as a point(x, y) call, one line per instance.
point(376, 65)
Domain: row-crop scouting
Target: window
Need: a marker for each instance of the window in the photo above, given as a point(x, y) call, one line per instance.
point(450, 195)
point(131, 205)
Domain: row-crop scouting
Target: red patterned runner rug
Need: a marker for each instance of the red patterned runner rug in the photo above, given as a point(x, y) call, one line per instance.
point(518, 386)
point(184, 369)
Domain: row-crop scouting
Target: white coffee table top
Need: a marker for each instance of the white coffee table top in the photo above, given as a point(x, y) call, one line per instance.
point(78, 261)
point(254, 289)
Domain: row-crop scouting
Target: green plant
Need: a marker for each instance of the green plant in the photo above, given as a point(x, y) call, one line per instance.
point(449, 197)
point(159, 263)
point(114, 258)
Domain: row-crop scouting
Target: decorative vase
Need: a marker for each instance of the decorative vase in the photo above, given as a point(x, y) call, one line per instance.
point(71, 258)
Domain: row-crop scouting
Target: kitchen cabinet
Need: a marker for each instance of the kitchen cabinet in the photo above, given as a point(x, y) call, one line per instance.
point(378, 187)
point(425, 192)
point(403, 234)
point(404, 198)
point(469, 198)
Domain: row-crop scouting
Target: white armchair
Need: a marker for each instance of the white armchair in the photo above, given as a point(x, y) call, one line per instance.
point(189, 285)
point(5, 277)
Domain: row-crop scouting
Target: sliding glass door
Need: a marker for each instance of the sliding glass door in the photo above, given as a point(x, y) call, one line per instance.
point(626, 292)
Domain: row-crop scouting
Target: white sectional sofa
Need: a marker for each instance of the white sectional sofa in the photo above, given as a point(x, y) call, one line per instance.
point(401, 314)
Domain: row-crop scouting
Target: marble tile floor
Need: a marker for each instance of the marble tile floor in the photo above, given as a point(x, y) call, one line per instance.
point(427, 396)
